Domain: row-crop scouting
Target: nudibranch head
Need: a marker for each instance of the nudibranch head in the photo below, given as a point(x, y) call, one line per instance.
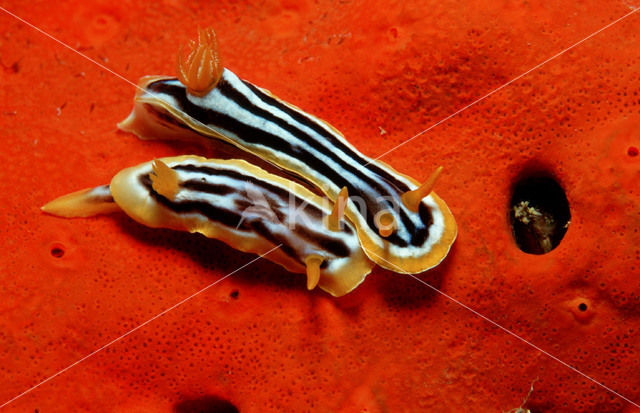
point(202, 70)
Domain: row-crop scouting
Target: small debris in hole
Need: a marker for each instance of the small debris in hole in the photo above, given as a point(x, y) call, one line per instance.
point(539, 214)
point(235, 294)
point(541, 224)
point(633, 151)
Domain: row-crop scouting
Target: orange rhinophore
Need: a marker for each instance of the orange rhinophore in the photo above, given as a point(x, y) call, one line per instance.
point(164, 180)
point(337, 213)
point(412, 199)
point(203, 68)
point(313, 263)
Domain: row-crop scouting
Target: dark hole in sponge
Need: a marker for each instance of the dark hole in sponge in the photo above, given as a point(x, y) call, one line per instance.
point(57, 251)
point(205, 404)
point(582, 307)
point(539, 213)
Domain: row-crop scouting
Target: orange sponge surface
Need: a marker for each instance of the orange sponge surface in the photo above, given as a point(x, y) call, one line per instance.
point(381, 72)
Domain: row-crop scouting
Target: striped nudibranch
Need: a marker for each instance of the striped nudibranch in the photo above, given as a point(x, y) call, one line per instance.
point(240, 204)
point(402, 226)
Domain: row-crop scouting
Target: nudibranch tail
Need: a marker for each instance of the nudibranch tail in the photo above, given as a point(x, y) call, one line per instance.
point(83, 203)
point(337, 213)
point(164, 180)
point(412, 199)
point(203, 68)
point(313, 270)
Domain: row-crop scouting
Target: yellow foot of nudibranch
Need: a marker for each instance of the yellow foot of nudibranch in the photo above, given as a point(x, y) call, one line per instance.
point(203, 68)
point(412, 199)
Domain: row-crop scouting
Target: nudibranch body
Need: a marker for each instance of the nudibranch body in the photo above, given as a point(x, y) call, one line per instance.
point(240, 204)
point(402, 227)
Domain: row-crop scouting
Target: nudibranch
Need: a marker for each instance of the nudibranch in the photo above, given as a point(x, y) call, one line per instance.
point(402, 226)
point(240, 204)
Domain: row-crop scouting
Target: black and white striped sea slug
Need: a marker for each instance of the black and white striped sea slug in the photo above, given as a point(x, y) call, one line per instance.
point(402, 226)
point(240, 204)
